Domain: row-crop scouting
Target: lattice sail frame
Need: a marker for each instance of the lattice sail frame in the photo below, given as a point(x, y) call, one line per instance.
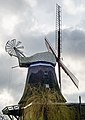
point(58, 30)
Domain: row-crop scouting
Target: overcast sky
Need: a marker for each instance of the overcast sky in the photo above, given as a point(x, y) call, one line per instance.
point(30, 21)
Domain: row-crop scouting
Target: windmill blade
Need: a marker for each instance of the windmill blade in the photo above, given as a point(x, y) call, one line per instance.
point(8, 43)
point(18, 43)
point(10, 51)
point(66, 70)
point(20, 47)
point(69, 73)
point(47, 45)
point(7, 48)
point(13, 42)
point(50, 48)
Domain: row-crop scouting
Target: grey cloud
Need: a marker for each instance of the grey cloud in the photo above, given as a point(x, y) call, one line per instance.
point(32, 42)
point(82, 22)
point(11, 80)
point(77, 2)
point(74, 42)
point(12, 5)
point(47, 8)
point(4, 71)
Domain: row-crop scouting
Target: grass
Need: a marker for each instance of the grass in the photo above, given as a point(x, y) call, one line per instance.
point(45, 105)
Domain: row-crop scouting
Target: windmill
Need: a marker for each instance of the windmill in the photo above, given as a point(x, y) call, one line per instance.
point(41, 71)
point(41, 67)
point(43, 63)
point(47, 59)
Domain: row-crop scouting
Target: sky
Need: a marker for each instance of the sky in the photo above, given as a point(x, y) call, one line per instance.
point(29, 21)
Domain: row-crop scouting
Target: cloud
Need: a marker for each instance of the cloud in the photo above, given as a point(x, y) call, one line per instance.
point(74, 41)
point(12, 6)
point(12, 81)
point(72, 7)
point(8, 25)
point(72, 12)
point(32, 3)
point(6, 98)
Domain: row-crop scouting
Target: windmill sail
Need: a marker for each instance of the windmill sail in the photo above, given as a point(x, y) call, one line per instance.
point(58, 38)
point(66, 70)
point(49, 47)
point(70, 74)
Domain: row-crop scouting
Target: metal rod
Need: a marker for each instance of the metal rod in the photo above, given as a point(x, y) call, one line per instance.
point(80, 106)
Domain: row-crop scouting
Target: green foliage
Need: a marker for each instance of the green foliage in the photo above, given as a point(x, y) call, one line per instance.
point(46, 105)
point(49, 112)
point(40, 94)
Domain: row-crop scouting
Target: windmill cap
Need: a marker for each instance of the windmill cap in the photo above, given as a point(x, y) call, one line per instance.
point(43, 56)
